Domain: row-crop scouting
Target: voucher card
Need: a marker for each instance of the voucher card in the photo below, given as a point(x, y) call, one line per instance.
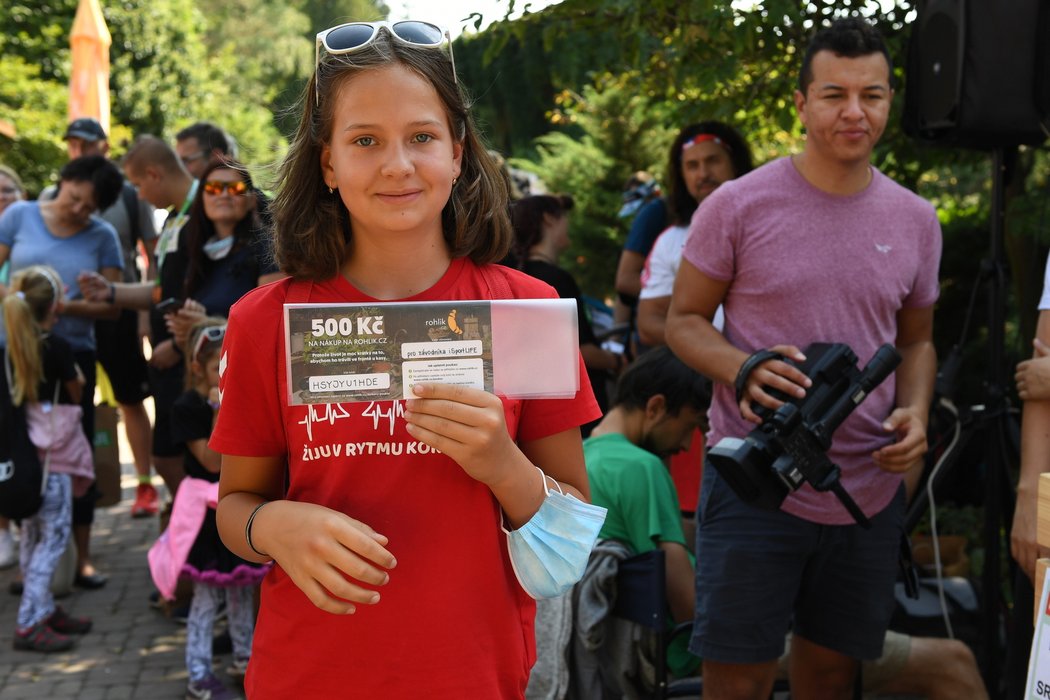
point(372, 352)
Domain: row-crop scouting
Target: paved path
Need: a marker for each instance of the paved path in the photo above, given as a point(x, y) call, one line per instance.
point(134, 651)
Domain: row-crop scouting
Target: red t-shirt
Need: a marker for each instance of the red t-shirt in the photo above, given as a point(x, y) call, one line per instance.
point(453, 622)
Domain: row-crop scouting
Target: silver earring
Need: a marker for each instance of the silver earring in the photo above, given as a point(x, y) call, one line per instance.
point(330, 190)
point(454, 181)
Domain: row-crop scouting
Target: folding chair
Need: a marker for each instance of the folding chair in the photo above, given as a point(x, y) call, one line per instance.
point(641, 597)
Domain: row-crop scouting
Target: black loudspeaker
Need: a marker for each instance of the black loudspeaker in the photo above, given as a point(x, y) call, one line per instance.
point(978, 73)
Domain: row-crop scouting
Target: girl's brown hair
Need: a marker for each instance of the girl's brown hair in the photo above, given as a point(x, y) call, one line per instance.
point(33, 294)
point(206, 351)
point(312, 227)
point(526, 216)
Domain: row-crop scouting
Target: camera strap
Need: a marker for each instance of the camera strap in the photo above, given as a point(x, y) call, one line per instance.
point(748, 367)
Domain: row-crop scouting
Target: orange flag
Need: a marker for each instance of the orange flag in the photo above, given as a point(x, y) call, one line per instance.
point(89, 80)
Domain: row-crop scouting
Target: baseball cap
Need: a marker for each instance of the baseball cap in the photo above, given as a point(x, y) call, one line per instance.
point(85, 128)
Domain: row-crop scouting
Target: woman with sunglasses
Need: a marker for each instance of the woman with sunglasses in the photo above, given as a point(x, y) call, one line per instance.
point(65, 234)
point(225, 246)
point(393, 577)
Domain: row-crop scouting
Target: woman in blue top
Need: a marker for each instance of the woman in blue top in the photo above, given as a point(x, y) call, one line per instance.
point(65, 234)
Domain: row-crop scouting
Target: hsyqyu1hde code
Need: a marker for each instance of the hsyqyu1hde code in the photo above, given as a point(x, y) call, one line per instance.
point(344, 325)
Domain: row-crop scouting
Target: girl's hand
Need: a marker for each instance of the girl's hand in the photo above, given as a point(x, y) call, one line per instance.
point(319, 548)
point(466, 424)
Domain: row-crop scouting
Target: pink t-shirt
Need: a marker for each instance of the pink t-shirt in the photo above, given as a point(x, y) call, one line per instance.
point(453, 621)
point(806, 266)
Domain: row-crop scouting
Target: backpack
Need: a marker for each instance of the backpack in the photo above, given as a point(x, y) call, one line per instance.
point(22, 474)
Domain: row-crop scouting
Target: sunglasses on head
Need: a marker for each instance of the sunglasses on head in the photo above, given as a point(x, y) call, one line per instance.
point(209, 334)
point(354, 36)
point(216, 187)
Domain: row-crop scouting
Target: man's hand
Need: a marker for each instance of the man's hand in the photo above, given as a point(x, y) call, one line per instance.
point(910, 429)
point(1023, 546)
point(774, 374)
point(1033, 376)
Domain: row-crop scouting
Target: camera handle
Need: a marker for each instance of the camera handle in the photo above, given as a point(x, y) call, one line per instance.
point(756, 358)
point(831, 481)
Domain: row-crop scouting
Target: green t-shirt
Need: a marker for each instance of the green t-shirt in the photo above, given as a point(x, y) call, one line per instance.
point(636, 487)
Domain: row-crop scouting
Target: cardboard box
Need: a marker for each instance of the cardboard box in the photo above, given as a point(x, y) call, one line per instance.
point(107, 456)
point(1042, 532)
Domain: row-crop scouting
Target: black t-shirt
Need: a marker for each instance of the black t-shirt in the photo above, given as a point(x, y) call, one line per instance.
point(191, 419)
point(228, 279)
point(59, 367)
point(566, 287)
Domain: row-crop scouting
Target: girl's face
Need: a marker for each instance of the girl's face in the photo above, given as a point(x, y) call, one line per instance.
point(226, 207)
point(208, 369)
point(211, 369)
point(391, 153)
point(9, 192)
point(556, 230)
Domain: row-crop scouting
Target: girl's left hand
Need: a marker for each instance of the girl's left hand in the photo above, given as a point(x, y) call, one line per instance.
point(466, 424)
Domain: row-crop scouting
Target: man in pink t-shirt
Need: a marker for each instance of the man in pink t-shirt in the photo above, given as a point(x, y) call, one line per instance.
point(819, 246)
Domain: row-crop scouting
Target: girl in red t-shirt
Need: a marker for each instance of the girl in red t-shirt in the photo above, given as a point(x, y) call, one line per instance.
point(392, 576)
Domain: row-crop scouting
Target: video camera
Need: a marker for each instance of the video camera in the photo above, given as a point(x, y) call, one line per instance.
point(789, 447)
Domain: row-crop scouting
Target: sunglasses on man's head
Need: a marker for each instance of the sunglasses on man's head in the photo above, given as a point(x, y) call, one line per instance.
point(210, 334)
point(354, 36)
point(216, 187)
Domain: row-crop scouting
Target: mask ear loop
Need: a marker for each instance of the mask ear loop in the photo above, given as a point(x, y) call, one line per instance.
point(546, 491)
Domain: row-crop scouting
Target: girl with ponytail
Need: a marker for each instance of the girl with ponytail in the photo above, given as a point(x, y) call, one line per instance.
point(42, 374)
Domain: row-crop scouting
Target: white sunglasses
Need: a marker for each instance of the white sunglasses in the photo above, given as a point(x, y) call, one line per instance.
point(354, 36)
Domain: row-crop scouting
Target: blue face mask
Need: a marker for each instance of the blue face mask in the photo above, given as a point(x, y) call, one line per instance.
point(218, 248)
point(549, 553)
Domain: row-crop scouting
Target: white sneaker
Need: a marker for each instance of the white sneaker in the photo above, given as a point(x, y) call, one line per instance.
point(8, 550)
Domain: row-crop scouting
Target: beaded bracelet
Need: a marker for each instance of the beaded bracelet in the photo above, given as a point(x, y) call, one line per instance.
point(248, 530)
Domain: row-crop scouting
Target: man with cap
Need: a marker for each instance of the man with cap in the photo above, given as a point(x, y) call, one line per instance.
point(119, 341)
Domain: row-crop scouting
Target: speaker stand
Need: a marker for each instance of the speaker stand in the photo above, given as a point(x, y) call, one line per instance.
point(987, 427)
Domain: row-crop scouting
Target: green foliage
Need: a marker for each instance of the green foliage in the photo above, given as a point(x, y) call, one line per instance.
point(37, 108)
point(237, 63)
point(322, 14)
point(619, 132)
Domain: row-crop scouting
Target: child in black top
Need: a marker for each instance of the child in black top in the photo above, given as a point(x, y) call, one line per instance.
point(217, 573)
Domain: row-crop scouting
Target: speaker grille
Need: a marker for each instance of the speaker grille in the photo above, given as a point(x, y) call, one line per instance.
point(941, 70)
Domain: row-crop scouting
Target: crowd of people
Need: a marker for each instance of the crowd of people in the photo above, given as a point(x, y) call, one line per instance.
point(479, 504)
point(88, 276)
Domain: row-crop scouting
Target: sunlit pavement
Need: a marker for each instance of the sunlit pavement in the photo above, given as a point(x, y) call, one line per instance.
point(134, 651)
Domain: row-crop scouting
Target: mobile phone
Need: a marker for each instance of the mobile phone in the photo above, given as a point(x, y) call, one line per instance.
point(168, 306)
